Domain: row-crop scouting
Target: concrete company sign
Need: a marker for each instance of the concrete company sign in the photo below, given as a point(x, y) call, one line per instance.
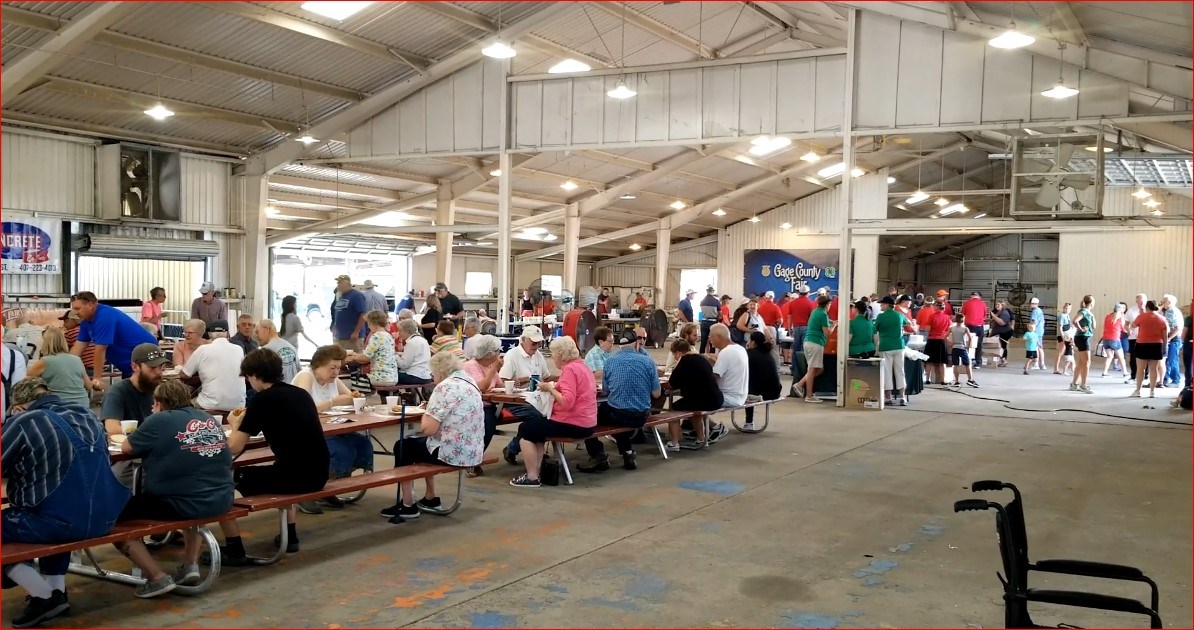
point(31, 246)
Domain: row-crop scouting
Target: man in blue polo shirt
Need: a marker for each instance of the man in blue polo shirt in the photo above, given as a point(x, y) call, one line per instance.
point(113, 333)
point(631, 381)
point(348, 315)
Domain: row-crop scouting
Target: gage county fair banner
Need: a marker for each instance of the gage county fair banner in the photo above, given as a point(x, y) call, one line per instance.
point(782, 271)
point(31, 246)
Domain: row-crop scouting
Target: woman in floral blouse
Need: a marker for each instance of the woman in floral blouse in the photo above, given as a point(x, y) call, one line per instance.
point(379, 351)
point(454, 426)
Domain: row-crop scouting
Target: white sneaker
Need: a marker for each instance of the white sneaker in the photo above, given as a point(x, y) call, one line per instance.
point(1135, 394)
point(1073, 387)
point(1085, 390)
point(812, 399)
point(748, 426)
point(672, 447)
point(1152, 394)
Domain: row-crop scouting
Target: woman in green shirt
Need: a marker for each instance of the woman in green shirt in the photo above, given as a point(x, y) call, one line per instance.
point(1085, 325)
point(862, 332)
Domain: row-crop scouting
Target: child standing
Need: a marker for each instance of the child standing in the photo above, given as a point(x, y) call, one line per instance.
point(1030, 346)
point(959, 336)
point(1065, 343)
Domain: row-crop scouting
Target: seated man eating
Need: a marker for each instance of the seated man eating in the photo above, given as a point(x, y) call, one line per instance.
point(631, 383)
point(217, 366)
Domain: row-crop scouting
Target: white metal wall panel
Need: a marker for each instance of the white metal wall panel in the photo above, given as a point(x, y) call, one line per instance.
point(1038, 273)
point(1101, 95)
point(1006, 246)
point(983, 275)
point(1039, 250)
point(45, 174)
point(626, 276)
point(460, 112)
point(1119, 202)
point(801, 95)
point(878, 61)
point(942, 272)
point(1007, 85)
point(423, 271)
point(918, 101)
point(228, 269)
point(131, 279)
point(961, 84)
point(1154, 262)
point(205, 191)
point(1044, 76)
point(33, 284)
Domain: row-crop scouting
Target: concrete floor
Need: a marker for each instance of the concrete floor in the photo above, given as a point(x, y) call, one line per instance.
point(828, 519)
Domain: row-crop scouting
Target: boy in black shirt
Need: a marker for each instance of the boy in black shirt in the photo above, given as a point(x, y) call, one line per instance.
point(692, 376)
point(287, 416)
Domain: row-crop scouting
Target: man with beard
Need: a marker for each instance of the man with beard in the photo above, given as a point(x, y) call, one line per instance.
point(132, 398)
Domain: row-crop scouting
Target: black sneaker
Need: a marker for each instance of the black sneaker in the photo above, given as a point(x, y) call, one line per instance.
point(595, 464)
point(402, 511)
point(332, 501)
point(429, 505)
point(627, 461)
point(522, 481)
point(390, 512)
point(227, 558)
point(42, 609)
point(292, 544)
point(510, 458)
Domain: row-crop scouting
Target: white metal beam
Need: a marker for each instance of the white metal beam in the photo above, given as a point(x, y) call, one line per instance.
point(636, 184)
point(338, 123)
point(588, 242)
point(31, 67)
point(621, 10)
point(350, 219)
point(649, 253)
point(62, 125)
point(1073, 32)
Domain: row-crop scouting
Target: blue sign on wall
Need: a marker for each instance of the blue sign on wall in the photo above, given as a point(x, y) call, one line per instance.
point(782, 271)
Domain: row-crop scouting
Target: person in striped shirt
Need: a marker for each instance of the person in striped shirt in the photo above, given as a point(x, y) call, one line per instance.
point(446, 340)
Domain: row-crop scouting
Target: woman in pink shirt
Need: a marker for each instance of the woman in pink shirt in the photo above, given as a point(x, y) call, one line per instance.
point(1113, 326)
point(573, 413)
point(151, 310)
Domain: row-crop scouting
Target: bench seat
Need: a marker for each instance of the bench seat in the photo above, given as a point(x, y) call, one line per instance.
point(655, 420)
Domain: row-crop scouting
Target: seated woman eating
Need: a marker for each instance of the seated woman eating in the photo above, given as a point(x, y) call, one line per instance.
point(453, 428)
point(348, 451)
point(414, 355)
point(574, 411)
point(379, 352)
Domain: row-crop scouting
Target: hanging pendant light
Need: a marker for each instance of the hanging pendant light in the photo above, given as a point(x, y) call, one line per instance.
point(499, 49)
point(1060, 90)
point(1011, 38)
point(621, 91)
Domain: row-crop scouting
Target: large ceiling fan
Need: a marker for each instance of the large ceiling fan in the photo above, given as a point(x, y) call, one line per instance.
point(1058, 177)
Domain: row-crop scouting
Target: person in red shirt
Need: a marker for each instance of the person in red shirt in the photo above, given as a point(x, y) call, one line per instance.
point(935, 346)
point(925, 317)
point(640, 302)
point(943, 299)
point(1113, 328)
point(725, 310)
point(975, 314)
point(769, 311)
point(1151, 333)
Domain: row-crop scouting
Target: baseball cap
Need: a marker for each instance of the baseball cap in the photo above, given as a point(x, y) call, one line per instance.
point(69, 314)
point(440, 285)
point(710, 289)
point(1034, 301)
point(690, 292)
point(343, 276)
point(206, 288)
point(975, 294)
point(888, 300)
point(533, 333)
point(217, 326)
point(802, 289)
point(769, 294)
point(24, 391)
point(942, 293)
point(149, 354)
point(903, 298)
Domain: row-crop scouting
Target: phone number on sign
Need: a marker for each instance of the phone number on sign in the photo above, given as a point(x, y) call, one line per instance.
point(31, 267)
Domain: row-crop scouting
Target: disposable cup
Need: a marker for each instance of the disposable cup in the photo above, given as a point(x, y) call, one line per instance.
point(509, 387)
point(358, 404)
point(128, 426)
point(392, 401)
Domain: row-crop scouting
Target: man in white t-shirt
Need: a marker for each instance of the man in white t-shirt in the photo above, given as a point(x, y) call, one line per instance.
point(732, 373)
point(217, 365)
point(1130, 316)
point(525, 360)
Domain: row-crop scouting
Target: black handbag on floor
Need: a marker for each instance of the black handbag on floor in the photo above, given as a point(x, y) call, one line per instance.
point(549, 473)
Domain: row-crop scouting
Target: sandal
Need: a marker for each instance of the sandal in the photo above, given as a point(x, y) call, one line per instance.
point(474, 472)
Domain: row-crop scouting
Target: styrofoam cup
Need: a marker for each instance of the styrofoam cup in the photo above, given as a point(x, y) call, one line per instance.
point(509, 387)
point(392, 401)
point(128, 426)
point(358, 404)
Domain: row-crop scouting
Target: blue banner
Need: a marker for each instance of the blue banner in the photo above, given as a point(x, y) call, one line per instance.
point(31, 246)
point(782, 271)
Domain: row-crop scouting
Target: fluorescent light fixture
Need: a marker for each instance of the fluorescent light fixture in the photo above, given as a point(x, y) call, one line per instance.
point(336, 10)
point(499, 50)
point(857, 172)
point(497, 172)
point(1095, 149)
point(527, 236)
point(1011, 38)
point(389, 219)
point(1031, 132)
point(307, 139)
point(956, 208)
point(764, 145)
point(1142, 193)
point(832, 171)
point(159, 112)
point(549, 237)
point(719, 212)
point(628, 196)
point(678, 205)
point(569, 65)
point(811, 157)
point(745, 160)
point(621, 91)
point(1157, 213)
point(935, 216)
point(535, 231)
point(785, 226)
point(979, 216)
point(941, 201)
point(569, 185)
point(916, 198)
point(901, 206)
point(271, 211)
point(1152, 203)
point(635, 246)
point(891, 180)
point(483, 244)
point(754, 219)
point(1060, 91)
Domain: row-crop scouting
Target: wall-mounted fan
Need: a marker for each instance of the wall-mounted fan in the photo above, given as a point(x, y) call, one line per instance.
point(1054, 177)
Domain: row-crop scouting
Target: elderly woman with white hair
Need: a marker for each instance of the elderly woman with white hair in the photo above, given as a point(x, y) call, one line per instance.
point(414, 355)
point(453, 430)
point(574, 410)
point(484, 367)
point(1171, 370)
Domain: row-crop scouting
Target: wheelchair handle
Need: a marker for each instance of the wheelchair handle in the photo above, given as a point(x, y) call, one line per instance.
point(986, 485)
point(971, 505)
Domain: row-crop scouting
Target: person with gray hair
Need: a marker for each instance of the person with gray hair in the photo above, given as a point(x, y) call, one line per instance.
point(414, 355)
point(574, 409)
point(406, 313)
point(472, 326)
point(194, 332)
point(484, 367)
point(1172, 369)
point(217, 365)
point(453, 429)
point(60, 489)
point(267, 335)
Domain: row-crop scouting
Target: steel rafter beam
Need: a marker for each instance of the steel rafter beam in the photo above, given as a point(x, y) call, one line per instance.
point(621, 10)
point(1073, 28)
point(350, 219)
point(104, 131)
point(26, 71)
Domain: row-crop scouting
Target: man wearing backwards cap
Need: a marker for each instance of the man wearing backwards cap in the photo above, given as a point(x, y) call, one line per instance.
point(1038, 317)
point(207, 306)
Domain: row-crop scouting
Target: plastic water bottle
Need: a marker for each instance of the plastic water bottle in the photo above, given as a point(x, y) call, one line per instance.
point(534, 382)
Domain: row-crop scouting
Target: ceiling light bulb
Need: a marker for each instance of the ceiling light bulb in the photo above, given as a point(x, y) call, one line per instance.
point(549, 237)
point(1157, 213)
point(535, 230)
point(891, 180)
point(1152, 203)
point(754, 219)
point(761, 140)
point(857, 172)
point(832, 171)
point(306, 139)
point(916, 198)
point(1011, 38)
point(678, 205)
point(499, 50)
point(1095, 149)
point(336, 10)
point(1060, 91)
point(159, 112)
point(1142, 193)
point(628, 196)
point(811, 157)
point(785, 226)
point(719, 212)
point(271, 211)
point(764, 145)
point(569, 185)
point(941, 201)
point(497, 172)
point(957, 207)
point(621, 91)
point(635, 246)
point(569, 65)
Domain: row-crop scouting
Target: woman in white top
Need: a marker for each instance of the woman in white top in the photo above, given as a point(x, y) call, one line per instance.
point(750, 321)
point(414, 355)
point(348, 451)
